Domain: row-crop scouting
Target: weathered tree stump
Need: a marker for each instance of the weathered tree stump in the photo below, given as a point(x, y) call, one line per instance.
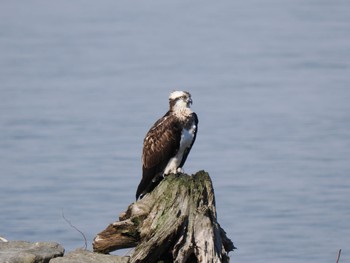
point(176, 222)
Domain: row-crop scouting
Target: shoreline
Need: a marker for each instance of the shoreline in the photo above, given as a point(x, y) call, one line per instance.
point(53, 252)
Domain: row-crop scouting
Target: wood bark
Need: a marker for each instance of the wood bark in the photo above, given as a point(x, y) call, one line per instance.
point(176, 222)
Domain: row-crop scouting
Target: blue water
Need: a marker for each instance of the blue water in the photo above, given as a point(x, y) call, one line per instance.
point(81, 82)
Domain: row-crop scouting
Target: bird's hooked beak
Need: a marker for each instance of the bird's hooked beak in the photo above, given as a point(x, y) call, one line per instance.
point(189, 101)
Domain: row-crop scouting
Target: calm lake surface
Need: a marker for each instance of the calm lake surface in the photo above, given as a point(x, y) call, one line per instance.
point(81, 82)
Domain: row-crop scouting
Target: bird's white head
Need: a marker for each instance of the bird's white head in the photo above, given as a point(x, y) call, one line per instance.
point(180, 100)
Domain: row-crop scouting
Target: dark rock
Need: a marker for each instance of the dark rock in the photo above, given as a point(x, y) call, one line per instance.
point(27, 252)
point(85, 256)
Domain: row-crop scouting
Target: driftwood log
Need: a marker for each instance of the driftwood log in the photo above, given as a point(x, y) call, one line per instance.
point(176, 222)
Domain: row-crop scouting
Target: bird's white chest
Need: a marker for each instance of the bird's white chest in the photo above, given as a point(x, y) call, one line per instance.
point(187, 137)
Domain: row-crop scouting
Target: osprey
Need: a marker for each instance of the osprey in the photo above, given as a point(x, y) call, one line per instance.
point(168, 143)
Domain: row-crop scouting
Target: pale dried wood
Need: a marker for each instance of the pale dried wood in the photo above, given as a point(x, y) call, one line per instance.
point(176, 222)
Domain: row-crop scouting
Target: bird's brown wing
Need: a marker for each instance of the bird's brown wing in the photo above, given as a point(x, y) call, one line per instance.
point(160, 144)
